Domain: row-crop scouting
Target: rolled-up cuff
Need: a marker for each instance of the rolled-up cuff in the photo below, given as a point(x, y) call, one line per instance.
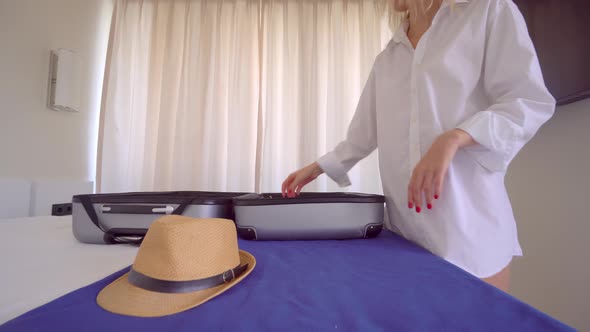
point(331, 165)
point(495, 138)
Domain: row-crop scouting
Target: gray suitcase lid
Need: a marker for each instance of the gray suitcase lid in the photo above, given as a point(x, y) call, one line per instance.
point(306, 198)
point(162, 197)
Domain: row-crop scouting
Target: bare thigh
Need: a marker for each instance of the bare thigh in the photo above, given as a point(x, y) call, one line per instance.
point(500, 280)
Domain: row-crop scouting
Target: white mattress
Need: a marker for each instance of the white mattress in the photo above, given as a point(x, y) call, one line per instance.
point(40, 260)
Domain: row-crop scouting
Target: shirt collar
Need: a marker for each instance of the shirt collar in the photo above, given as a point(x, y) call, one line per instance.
point(401, 32)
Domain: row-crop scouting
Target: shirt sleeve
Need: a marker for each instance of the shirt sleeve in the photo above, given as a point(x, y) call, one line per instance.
point(361, 139)
point(512, 78)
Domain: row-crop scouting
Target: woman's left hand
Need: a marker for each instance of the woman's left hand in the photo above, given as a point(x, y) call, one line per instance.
point(428, 175)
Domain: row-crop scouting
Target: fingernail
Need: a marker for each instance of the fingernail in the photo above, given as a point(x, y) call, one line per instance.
point(435, 196)
point(429, 206)
point(418, 209)
point(410, 205)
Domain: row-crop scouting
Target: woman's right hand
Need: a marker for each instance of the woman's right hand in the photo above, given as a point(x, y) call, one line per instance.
point(296, 181)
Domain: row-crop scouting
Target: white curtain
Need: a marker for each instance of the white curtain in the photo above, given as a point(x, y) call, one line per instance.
point(233, 95)
point(317, 55)
point(181, 100)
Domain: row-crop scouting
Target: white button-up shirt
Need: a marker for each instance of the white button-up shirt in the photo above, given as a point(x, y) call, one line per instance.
point(474, 69)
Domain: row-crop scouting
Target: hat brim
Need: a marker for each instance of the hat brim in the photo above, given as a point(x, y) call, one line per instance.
point(123, 298)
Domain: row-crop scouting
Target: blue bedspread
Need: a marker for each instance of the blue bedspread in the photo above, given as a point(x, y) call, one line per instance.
point(381, 284)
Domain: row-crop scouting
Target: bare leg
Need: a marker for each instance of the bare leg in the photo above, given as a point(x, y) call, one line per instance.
point(500, 280)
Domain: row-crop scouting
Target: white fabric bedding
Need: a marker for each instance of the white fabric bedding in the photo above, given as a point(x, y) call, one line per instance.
point(40, 260)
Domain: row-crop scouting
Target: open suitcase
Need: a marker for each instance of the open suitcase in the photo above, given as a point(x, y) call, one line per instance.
point(125, 217)
point(310, 216)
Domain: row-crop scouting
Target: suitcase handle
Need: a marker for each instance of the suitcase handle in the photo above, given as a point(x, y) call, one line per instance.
point(137, 209)
point(110, 238)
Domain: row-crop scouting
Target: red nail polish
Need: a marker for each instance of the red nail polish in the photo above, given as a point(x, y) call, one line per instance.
point(429, 206)
point(410, 205)
point(435, 196)
point(418, 209)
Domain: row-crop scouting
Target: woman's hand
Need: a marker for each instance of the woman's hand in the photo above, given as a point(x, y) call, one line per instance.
point(429, 174)
point(296, 181)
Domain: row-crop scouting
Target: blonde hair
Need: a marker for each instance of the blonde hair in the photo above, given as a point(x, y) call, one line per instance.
point(396, 18)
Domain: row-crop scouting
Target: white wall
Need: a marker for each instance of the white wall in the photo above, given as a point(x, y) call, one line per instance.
point(36, 142)
point(549, 185)
point(15, 198)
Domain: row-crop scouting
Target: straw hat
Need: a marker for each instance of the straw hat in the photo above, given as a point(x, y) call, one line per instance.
point(182, 263)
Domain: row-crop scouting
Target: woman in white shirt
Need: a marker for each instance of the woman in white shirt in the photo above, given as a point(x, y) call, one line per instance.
point(451, 100)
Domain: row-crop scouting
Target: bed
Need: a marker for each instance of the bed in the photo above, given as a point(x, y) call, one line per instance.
point(50, 282)
point(42, 261)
